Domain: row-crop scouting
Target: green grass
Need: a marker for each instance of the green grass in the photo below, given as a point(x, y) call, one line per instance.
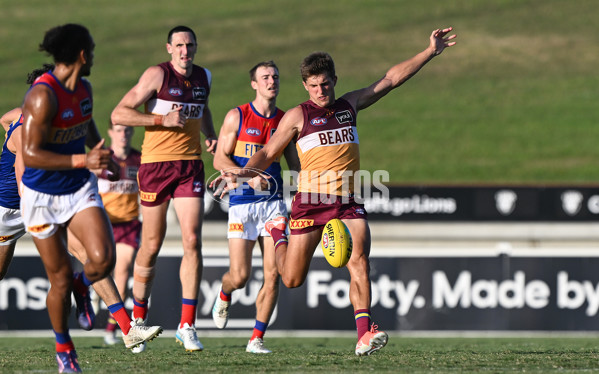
point(326, 355)
point(514, 102)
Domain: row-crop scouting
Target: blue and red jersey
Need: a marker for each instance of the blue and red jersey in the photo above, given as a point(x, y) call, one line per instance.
point(9, 191)
point(66, 136)
point(254, 132)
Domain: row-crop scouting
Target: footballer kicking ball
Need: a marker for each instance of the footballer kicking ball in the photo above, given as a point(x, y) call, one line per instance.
point(336, 243)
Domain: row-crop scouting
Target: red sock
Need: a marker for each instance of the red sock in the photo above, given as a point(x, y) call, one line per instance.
point(188, 312)
point(257, 334)
point(140, 309)
point(122, 318)
point(224, 296)
point(259, 330)
point(362, 317)
point(279, 237)
point(64, 347)
point(63, 341)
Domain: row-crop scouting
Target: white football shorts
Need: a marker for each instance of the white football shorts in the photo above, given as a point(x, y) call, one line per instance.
point(246, 221)
point(11, 225)
point(43, 213)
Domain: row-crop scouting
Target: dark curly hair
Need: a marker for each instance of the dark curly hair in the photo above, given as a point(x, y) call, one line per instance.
point(65, 42)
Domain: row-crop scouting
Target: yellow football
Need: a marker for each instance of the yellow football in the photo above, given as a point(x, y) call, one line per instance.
point(336, 243)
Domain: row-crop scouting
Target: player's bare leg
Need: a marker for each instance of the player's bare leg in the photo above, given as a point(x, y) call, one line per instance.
point(152, 236)
point(359, 263)
point(369, 338)
point(268, 294)
point(60, 274)
point(124, 264)
point(240, 268)
point(266, 299)
point(293, 259)
point(190, 212)
point(240, 264)
point(92, 227)
point(134, 333)
point(94, 237)
point(6, 254)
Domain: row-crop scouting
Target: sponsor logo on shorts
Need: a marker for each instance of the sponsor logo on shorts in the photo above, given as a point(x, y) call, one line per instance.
point(38, 228)
point(360, 211)
point(344, 117)
point(197, 186)
point(175, 91)
point(253, 131)
point(318, 121)
point(147, 196)
point(300, 223)
point(235, 227)
point(6, 238)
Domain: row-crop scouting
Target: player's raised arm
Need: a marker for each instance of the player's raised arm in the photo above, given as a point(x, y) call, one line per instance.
point(401, 72)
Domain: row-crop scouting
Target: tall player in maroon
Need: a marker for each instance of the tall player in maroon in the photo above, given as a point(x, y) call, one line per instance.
point(175, 96)
point(327, 143)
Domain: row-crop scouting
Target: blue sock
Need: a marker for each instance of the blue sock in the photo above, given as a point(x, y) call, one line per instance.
point(62, 337)
point(116, 307)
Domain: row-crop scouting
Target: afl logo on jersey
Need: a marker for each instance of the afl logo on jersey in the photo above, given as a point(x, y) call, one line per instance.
point(253, 132)
point(67, 114)
point(318, 121)
point(175, 91)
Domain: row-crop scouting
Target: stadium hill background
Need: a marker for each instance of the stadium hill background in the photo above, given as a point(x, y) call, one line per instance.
point(515, 102)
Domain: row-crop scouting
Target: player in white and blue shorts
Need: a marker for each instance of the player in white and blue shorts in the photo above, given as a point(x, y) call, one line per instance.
point(246, 129)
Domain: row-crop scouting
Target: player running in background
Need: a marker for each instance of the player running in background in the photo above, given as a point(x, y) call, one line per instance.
point(120, 200)
point(175, 94)
point(246, 129)
point(58, 190)
point(327, 143)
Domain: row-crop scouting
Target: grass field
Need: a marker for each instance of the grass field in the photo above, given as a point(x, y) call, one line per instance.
point(325, 355)
point(514, 102)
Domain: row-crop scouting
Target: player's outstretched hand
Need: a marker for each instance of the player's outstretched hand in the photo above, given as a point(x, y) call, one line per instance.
point(439, 42)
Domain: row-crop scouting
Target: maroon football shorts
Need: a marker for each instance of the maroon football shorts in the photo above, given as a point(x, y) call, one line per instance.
point(127, 233)
point(311, 212)
point(162, 181)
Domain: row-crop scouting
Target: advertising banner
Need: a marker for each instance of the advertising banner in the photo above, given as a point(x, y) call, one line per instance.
point(408, 294)
point(465, 203)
